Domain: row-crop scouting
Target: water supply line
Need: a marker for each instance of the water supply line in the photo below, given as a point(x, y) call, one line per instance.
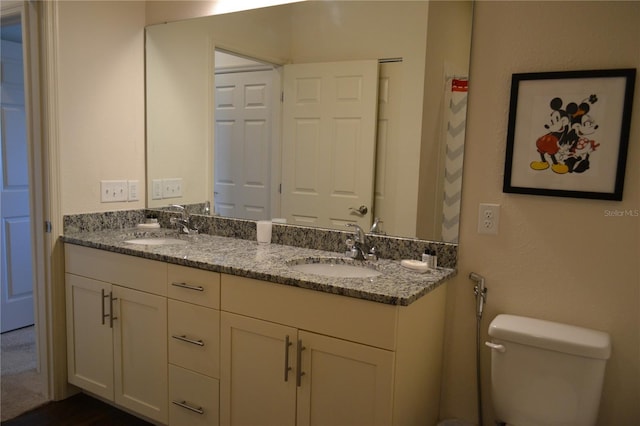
point(480, 292)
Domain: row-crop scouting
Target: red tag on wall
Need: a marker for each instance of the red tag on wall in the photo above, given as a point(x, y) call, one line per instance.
point(459, 85)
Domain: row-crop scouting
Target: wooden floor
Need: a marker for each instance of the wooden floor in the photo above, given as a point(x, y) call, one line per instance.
point(79, 410)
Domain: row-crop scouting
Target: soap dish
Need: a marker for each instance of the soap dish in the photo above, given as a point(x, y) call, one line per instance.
point(149, 224)
point(415, 265)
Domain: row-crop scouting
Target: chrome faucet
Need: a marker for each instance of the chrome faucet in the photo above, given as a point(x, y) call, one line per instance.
point(358, 248)
point(183, 222)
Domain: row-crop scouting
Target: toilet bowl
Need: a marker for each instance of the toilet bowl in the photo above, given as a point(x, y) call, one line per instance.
point(545, 373)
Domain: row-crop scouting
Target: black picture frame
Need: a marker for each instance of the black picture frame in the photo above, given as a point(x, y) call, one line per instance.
point(568, 133)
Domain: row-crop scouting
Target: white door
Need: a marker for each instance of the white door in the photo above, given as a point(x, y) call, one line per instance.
point(15, 223)
point(242, 140)
point(329, 135)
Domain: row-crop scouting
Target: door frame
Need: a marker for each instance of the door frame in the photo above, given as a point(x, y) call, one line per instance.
point(48, 221)
point(39, 29)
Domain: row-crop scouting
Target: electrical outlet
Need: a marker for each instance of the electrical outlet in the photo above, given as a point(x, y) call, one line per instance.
point(488, 218)
point(112, 191)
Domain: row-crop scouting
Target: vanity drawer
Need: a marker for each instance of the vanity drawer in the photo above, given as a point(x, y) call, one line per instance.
point(344, 317)
point(194, 337)
point(193, 398)
point(194, 285)
point(128, 271)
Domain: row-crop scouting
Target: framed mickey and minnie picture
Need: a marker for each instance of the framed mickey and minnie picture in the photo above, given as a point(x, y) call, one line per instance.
point(568, 133)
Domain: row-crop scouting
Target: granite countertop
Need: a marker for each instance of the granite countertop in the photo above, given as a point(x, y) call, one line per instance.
point(395, 285)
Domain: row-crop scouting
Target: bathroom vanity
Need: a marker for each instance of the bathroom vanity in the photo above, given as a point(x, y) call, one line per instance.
point(222, 331)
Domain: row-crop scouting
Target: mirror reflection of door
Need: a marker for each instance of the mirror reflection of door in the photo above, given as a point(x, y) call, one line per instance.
point(329, 143)
point(15, 226)
point(244, 96)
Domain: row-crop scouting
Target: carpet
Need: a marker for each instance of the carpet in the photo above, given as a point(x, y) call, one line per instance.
point(22, 387)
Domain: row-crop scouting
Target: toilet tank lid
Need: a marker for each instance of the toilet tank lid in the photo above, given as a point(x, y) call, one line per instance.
point(550, 335)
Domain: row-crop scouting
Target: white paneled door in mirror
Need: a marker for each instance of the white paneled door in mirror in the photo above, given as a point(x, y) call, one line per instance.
point(243, 144)
point(329, 138)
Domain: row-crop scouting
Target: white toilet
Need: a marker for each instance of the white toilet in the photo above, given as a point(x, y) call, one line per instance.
point(545, 373)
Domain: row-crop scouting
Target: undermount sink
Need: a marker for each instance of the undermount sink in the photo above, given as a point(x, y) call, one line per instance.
point(338, 267)
point(156, 241)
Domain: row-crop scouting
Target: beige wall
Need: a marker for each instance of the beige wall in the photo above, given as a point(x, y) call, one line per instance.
point(559, 259)
point(100, 101)
point(554, 258)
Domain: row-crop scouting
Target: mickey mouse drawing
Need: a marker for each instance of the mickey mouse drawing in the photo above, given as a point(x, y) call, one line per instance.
point(566, 147)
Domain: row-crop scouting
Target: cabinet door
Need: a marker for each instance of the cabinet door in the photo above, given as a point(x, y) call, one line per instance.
point(140, 352)
point(344, 383)
point(257, 372)
point(89, 338)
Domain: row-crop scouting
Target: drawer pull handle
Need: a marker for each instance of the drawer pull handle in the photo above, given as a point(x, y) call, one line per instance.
point(186, 339)
point(287, 343)
point(188, 287)
point(184, 404)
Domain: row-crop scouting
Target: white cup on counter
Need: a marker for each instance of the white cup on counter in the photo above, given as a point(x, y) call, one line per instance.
point(263, 231)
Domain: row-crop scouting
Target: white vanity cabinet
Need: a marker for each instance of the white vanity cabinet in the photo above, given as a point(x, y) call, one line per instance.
point(117, 328)
point(291, 356)
point(194, 346)
point(184, 346)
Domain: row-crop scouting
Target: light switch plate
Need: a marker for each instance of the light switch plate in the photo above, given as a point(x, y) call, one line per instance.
point(112, 191)
point(133, 190)
point(156, 189)
point(172, 188)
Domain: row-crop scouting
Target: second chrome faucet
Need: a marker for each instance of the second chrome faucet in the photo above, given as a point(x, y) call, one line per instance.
point(357, 248)
point(184, 222)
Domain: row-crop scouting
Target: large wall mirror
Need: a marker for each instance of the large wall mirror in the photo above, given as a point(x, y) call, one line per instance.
point(341, 104)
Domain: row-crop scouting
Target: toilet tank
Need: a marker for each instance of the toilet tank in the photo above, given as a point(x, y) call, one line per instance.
point(545, 373)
